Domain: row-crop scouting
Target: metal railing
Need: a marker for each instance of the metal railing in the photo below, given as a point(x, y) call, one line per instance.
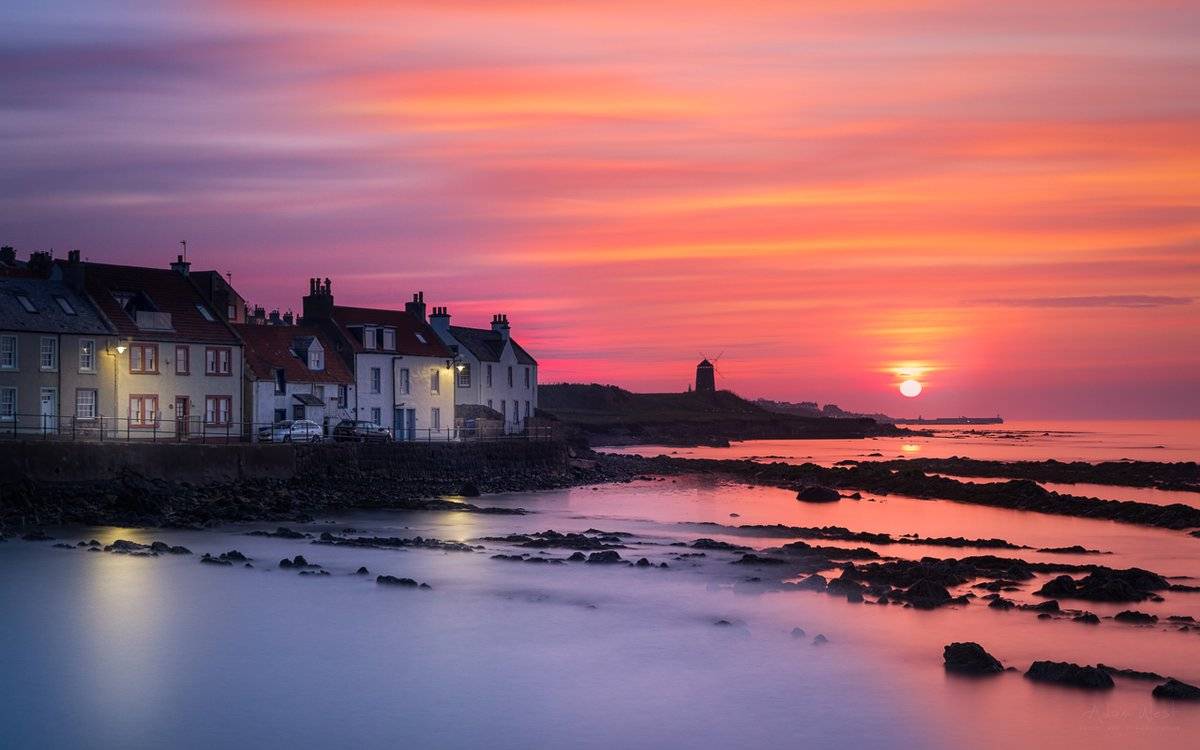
point(197, 430)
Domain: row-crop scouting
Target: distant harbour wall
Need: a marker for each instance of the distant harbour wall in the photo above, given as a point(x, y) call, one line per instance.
point(36, 462)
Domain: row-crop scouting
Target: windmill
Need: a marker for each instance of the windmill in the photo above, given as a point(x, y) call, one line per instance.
point(706, 372)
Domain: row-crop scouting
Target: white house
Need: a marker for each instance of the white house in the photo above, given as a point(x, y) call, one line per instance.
point(496, 371)
point(403, 373)
point(293, 372)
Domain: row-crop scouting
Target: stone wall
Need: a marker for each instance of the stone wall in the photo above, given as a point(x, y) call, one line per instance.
point(23, 462)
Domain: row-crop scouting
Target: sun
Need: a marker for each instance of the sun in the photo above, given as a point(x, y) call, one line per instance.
point(910, 388)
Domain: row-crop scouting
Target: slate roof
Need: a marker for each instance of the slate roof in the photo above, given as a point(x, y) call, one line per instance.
point(168, 291)
point(50, 316)
point(272, 347)
point(407, 329)
point(487, 345)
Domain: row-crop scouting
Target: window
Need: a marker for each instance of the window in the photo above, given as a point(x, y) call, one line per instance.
point(435, 382)
point(85, 403)
point(516, 411)
point(368, 338)
point(183, 360)
point(403, 386)
point(216, 360)
point(217, 410)
point(376, 380)
point(87, 355)
point(420, 338)
point(510, 379)
point(280, 381)
point(488, 372)
point(316, 360)
point(526, 377)
point(8, 404)
point(504, 409)
point(49, 353)
point(8, 352)
point(527, 410)
point(343, 396)
point(231, 312)
point(435, 418)
point(280, 415)
point(464, 376)
point(389, 338)
point(65, 304)
point(143, 358)
point(143, 411)
point(376, 415)
point(319, 391)
point(489, 403)
point(204, 313)
point(26, 303)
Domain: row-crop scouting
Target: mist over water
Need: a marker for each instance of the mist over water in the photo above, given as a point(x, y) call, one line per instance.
point(105, 650)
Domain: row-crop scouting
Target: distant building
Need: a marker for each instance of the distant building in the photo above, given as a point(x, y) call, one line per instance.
point(56, 350)
point(403, 373)
point(706, 381)
point(294, 372)
point(491, 370)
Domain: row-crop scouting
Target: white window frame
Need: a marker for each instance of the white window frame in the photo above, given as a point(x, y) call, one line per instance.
point(389, 339)
point(53, 353)
point(369, 338)
point(316, 360)
point(464, 376)
point(435, 382)
point(405, 385)
point(376, 375)
point(15, 362)
point(435, 418)
point(9, 416)
point(79, 404)
point(87, 361)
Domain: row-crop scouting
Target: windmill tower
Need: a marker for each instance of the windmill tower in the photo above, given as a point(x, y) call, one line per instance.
point(706, 379)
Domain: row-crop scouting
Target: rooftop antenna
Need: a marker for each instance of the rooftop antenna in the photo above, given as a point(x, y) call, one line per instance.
point(183, 244)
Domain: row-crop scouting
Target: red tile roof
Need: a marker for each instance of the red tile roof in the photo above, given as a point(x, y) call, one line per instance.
point(270, 347)
point(168, 291)
point(407, 330)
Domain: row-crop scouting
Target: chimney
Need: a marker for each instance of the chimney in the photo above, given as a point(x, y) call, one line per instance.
point(440, 320)
point(73, 271)
point(273, 318)
point(318, 303)
point(289, 318)
point(8, 256)
point(500, 325)
point(181, 266)
point(416, 308)
point(40, 262)
point(260, 315)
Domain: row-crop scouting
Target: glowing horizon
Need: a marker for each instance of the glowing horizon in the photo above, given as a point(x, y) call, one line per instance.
point(1001, 202)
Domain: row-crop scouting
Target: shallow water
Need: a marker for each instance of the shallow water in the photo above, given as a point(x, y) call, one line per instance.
point(1155, 440)
point(102, 650)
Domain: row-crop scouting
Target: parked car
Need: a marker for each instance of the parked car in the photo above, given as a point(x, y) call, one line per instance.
point(360, 431)
point(292, 431)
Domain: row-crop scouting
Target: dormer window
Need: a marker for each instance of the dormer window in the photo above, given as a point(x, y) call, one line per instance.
point(368, 337)
point(316, 359)
point(65, 304)
point(26, 303)
point(389, 339)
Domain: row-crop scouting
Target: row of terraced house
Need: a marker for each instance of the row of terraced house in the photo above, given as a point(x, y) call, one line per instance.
point(95, 350)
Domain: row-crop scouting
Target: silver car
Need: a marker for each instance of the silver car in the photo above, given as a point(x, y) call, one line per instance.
point(292, 431)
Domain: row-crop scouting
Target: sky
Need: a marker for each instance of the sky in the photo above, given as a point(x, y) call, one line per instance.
point(1001, 200)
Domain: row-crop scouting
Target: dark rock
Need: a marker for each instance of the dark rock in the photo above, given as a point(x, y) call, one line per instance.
point(469, 489)
point(1065, 673)
point(723, 623)
point(817, 494)
point(282, 532)
point(1107, 585)
point(970, 658)
point(1050, 606)
point(1132, 674)
point(314, 572)
point(1087, 618)
point(642, 563)
point(926, 594)
point(820, 640)
point(210, 560)
point(1135, 617)
point(1001, 603)
point(753, 559)
point(234, 556)
point(1175, 690)
point(394, 581)
point(814, 582)
point(798, 632)
point(577, 557)
point(606, 557)
point(713, 544)
point(60, 545)
point(362, 571)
